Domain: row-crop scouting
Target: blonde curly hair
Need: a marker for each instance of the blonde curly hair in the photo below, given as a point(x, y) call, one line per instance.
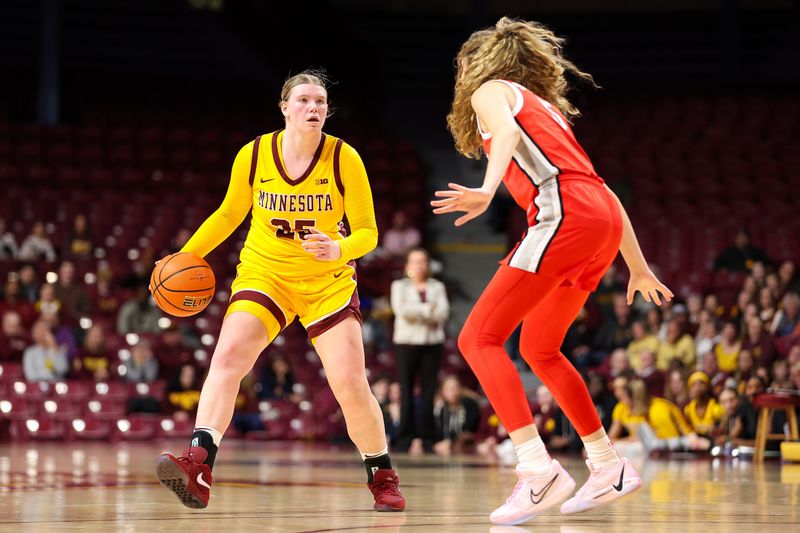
point(516, 50)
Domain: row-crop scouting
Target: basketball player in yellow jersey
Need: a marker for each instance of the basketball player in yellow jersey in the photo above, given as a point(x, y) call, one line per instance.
point(298, 183)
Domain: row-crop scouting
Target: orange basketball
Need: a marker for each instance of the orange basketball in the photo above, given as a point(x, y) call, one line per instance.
point(182, 284)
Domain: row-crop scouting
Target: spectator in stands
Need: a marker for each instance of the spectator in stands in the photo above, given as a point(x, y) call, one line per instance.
point(643, 341)
point(138, 315)
point(400, 238)
point(706, 339)
point(655, 323)
point(736, 312)
point(13, 301)
point(380, 389)
point(8, 244)
point(780, 375)
point(615, 331)
point(773, 283)
point(37, 247)
point(794, 375)
point(767, 306)
point(44, 360)
point(421, 309)
point(602, 398)
point(106, 299)
point(745, 368)
point(718, 379)
point(183, 393)
point(741, 255)
point(620, 416)
point(395, 405)
point(703, 412)
point(28, 284)
point(651, 375)
point(553, 425)
point(788, 278)
point(694, 307)
point(788, 317)
point(64, 335)
point(712, 305)
point(609, 287)
point(142, 365)
point(93, 360)
point(727, 349)
point(457, 418)
point(247, 415)
point(675, 390)
point(79, 243)
point(658, 424)
point(48, 302)
point(73, 297)
point(619, 363)
point(13, 340)
point(677, 345)
point(277, 379)
point(758, 342)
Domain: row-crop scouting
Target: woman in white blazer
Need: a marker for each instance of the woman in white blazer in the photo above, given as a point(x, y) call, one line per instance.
point(421, 310)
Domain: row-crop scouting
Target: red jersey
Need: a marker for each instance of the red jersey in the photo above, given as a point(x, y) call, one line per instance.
point(548, 171)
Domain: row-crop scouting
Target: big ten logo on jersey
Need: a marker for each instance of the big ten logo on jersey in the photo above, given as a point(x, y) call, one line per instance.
point(321, 181)
point(196, 301)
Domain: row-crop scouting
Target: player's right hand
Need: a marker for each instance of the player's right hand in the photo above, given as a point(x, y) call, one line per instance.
point(472, 202)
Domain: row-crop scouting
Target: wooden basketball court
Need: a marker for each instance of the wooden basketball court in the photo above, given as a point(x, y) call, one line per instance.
point(298, 488)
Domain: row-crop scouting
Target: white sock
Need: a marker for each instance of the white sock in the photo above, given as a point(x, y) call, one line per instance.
point(216, 436)
point(365, 456)
point(601, 453)
point(533, 455)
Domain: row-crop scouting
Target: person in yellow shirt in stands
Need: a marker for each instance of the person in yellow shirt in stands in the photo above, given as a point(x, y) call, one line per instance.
point(678, 345)
point(656, 422)
point(642, 342)
point(298, 184)
point(703, 412)
point(727, 349)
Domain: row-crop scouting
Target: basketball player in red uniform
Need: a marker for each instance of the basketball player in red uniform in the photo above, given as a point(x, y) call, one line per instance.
point(510, 103)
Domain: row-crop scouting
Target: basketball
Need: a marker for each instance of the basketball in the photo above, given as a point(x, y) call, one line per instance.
point(182, 284)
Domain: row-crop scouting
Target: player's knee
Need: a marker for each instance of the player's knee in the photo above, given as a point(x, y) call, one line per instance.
point(474, 338)
point(230, 360)
point(350, 389)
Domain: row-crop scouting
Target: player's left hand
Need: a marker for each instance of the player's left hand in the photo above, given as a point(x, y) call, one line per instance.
point(459, 198)
point(323, 247)
point(649, 286)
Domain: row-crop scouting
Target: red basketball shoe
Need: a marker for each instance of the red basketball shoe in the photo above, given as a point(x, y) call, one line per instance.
point(386, 491)
point(187, 476)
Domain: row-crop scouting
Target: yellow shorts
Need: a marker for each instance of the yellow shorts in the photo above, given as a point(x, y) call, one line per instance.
point(320, 301)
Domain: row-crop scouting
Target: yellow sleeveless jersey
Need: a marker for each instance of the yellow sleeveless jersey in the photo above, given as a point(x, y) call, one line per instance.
point(284, 208)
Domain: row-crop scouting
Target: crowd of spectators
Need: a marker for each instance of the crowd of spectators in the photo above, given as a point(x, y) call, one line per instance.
point(680, 377)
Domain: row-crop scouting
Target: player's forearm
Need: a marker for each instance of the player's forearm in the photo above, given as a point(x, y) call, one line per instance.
point(359, 243)
point(212, 232)
point(629, 247)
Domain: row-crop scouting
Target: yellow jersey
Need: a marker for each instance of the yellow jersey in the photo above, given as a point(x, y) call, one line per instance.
point(704, 425)
point(284, 208)
point(664, 417)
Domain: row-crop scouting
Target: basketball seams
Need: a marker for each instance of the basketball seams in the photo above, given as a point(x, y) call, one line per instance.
point(163, 295)
point(183, 270)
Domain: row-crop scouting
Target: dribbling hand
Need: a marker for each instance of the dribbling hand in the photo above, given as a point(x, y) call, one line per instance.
point(321, 246)
point(647, 283)
point(459, 198)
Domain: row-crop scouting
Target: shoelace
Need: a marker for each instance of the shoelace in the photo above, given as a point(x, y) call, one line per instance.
point(390, 485)
point(517, 488)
